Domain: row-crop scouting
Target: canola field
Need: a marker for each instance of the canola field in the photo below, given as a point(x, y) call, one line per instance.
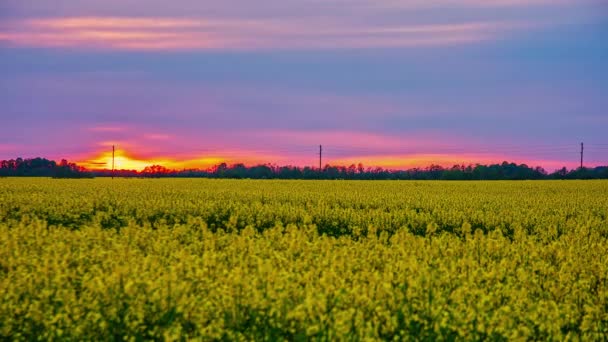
point(196, 259)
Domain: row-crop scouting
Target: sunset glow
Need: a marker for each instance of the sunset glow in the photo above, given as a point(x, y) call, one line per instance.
point(124, 160)
point(127, 161)
point(393, 84)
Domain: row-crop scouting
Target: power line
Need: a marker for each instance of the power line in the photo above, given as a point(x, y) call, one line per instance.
point(320, 156)
point(582, 150)
point(113, 152)
point(449, 150)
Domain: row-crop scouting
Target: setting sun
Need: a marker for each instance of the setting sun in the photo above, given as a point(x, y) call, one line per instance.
point(122, 161)
point(125, 160)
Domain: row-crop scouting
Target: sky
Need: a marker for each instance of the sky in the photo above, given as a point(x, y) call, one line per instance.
point(389, 83)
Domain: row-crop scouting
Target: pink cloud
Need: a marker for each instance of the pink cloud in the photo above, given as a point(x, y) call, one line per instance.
point(108, 129)
point(157, 136)
point(361, 142)
point(136, 33)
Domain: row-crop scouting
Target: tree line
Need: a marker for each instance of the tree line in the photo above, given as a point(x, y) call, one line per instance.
point(41, 167)
point(503, 171)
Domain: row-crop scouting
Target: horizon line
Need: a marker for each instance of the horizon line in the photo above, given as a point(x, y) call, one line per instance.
point(231, 164)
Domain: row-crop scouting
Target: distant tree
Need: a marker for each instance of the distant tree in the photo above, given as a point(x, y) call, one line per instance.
point(155, 171)
point(40, 167)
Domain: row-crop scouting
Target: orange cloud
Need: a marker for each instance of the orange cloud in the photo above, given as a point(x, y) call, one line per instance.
point(112, 23)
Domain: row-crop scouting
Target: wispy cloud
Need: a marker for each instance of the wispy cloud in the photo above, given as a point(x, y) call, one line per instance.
point(135, 33)
point(279, 24)
point(270, 8)
point(108, 129)
point(421, 4)
point(157, 136)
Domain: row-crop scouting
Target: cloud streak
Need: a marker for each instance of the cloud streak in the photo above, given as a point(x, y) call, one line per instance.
point(271, 8)
point(136, 33)
point(278, 25)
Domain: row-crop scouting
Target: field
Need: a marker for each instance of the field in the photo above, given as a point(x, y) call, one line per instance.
point(331, 260)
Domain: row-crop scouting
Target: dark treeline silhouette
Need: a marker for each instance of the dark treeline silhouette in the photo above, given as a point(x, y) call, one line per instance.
point(40, 167)
point(505, 171)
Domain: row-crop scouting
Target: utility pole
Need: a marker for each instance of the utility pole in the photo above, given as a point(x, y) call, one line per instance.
point(582, 150)
point(320, 156)
point(113, 150)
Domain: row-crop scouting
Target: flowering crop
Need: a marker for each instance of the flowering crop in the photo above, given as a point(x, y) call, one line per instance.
point(294, 260)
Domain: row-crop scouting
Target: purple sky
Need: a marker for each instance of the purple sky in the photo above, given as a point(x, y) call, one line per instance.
point(392, 83)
